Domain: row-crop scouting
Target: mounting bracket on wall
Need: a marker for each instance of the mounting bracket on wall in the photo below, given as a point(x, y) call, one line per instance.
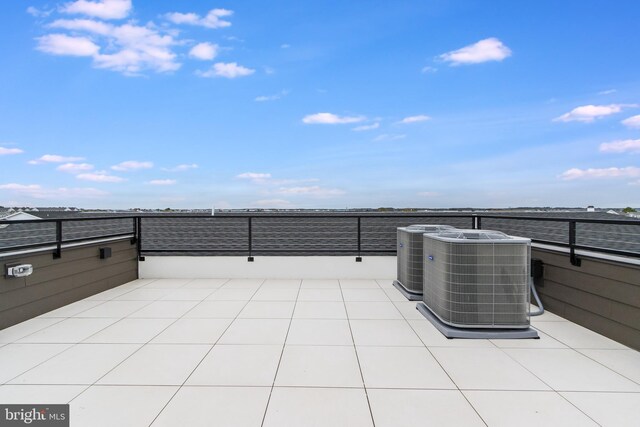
point(574, 258)
point(572, 243)
point(18, 270)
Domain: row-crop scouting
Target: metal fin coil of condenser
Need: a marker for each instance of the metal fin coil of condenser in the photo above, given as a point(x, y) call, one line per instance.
point(409, 257)
point(477, 278)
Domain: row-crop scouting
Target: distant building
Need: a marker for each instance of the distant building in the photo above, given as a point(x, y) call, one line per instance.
point(591, 208)
point(19, 216)
point(16, 216)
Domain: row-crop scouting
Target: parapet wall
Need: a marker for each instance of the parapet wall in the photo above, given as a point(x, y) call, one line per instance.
point(602, 295)
point(78, 274)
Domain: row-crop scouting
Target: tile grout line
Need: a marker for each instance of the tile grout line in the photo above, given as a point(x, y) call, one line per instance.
point(403, 317)
point(205, 298)
point(463, 392)
point(545, 383)
point(71, 345)
point(136, 351)
point(74, 344)
point(74, 316)
point(445, 371)
point(336, 387)
point(35, 366)
point(602, 364)
point(284, 344)
point(31, 333)
point(205, 355)
point(355, 349)
point(141, 345)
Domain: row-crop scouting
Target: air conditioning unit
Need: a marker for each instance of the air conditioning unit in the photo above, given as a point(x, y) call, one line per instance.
point(477, 284)
point(409, 256)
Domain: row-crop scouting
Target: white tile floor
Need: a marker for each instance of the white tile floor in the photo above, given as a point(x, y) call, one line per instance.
point(247, 352)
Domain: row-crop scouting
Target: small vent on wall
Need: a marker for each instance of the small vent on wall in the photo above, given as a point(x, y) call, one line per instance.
point(105, 253)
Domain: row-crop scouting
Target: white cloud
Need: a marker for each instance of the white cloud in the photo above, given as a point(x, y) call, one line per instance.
point(229, 70)
point(87, 25)
point(19, 187)
point(61, 44)
point(127, 48)
point(275, 97)
point(38, 192)
point(104, 9)
point(607, 92)
point(428, 69)
point(314, 190)
point(7, 151)
point(366, 127)
point(38, 13)
point(100, 176)
point(211, 20)
point(267, 179)
point(623, 146)
point(588, 113)
point(256, 177)
point(632, 122)
point(415, 119)
point(139, 48)
point(575, 173)
point(75, 167)
point(285, 46)
point(389, 137)
point(204, 51)
point(131, 165)
point(162, 182)
point(54, 158)
point(183, 18)
point(130, 48)
point(490, 49)
point(331, 119)
point(181, 168)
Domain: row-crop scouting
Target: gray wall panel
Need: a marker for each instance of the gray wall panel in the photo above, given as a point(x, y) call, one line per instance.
point(80, 273)
point(601, 295)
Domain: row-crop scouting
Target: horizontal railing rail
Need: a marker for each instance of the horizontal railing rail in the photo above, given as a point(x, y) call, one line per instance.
point(308, 233)
point(31, 236)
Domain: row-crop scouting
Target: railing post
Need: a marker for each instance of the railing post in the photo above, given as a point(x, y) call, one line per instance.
point(139, 238)
point(134, 239)
point(359, 257)
point(475, 222)
point(58, 252)
point(572, 245)
point(250, 242)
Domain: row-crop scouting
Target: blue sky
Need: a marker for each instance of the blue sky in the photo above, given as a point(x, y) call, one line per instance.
point(333, 104)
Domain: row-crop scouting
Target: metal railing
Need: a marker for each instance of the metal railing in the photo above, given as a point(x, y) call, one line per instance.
point(26, 235)
point(306, 234)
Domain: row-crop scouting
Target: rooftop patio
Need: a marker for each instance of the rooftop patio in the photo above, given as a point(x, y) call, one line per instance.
point(287, 320)
point(304, 352)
